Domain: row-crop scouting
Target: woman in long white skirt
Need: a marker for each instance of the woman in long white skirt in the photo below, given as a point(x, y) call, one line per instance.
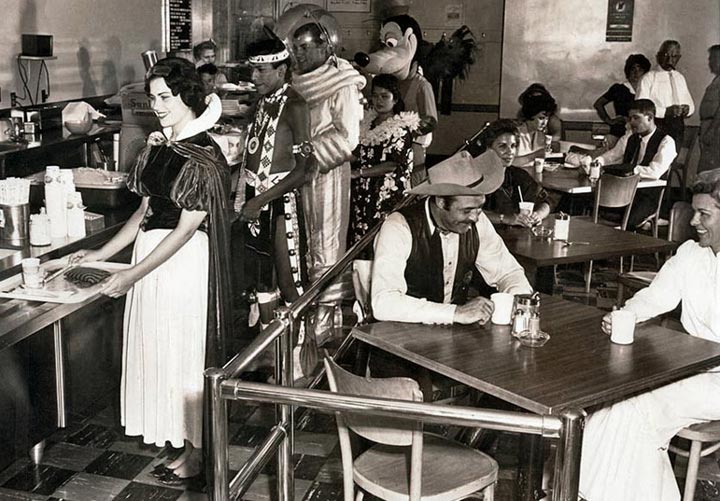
point(176, 310)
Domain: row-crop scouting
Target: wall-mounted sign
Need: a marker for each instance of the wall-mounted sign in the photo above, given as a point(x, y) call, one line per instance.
point(177, 25)
point(619, 21)
point(348, 5)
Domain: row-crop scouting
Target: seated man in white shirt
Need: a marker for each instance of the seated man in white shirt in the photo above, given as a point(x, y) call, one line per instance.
point(645, 149)
point(426, 253)
point(624, 456)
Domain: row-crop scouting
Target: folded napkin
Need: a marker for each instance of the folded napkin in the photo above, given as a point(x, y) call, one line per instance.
point(78, 111)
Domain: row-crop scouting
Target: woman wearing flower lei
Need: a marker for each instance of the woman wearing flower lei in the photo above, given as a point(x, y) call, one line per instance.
point(381, 174)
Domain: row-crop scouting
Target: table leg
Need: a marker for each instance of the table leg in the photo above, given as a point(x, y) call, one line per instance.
point(529, 476)
point(60, 374)
point(567, 460)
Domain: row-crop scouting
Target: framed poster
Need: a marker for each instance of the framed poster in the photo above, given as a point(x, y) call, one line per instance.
point(619, 21)
point(348, 5)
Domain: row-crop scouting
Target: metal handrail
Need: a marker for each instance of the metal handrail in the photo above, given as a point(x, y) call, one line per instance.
point(517, 422)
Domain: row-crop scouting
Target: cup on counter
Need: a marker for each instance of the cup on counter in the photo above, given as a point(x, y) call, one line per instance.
point(539, 165)
point(503, 305)
point(526, 208)
point(32, 274)
point(623, 326)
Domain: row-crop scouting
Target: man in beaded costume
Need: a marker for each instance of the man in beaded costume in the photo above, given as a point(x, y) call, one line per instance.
point(276, 160)
point(331, 87)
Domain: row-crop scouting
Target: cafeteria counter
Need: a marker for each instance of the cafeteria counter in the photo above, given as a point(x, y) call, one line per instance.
point(56, 360)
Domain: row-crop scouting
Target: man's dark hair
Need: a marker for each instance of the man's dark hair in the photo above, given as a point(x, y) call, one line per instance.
point(497, 129)
point(209, 69)
point(708, 183)
point(391, 84)
point(637, 59)
point(199, 48)
point(714, 48)
point(644, 106)
point(271, 46)
point(182, 79)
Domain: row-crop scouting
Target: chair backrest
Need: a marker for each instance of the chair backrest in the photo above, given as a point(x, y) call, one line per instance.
point(684, 150)
point(615, 192)
point(382, 430)
point(362, 271)
point(679, 229)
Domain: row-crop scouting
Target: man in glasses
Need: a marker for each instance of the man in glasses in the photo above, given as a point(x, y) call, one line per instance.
point(667, 88)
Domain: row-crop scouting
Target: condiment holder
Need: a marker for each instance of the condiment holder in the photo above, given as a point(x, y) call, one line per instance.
point(526, 321)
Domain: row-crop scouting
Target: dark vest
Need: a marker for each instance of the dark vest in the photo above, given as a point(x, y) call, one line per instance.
point(424, 269)
point(633, 146)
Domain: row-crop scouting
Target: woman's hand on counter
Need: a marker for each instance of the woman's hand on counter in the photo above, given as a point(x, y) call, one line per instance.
point(119, 283)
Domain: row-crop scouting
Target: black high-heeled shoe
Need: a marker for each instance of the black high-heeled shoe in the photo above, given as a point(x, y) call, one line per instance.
point(160, 471)
point(173, 479)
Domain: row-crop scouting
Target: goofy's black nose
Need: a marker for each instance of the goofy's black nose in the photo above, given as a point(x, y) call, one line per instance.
point(361, 59)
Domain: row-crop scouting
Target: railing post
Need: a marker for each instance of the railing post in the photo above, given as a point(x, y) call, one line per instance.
point(216, 434)
point(285, 377)
point(567, 474)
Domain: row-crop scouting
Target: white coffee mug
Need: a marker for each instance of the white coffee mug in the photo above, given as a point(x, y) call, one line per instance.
point(623, 326)
point(503, 304)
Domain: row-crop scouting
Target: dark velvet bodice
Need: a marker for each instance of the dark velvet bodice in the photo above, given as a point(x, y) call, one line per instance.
point(158, 179)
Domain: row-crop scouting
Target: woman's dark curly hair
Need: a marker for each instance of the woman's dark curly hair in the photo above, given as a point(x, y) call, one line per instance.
point(495, 130)
point(182, 79)
point(390, 83)
point(639, 60)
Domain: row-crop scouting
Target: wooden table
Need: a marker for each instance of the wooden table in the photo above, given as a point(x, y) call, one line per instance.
point(575, 182)
point(536, 254)
point(577, 369)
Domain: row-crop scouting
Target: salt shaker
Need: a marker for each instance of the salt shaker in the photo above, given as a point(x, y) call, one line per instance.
point(527, 306)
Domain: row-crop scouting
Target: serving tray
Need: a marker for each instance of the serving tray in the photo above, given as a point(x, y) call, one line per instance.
point(59, 290)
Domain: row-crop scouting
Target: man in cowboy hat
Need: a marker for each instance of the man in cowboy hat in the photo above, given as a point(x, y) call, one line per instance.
point(426, 253)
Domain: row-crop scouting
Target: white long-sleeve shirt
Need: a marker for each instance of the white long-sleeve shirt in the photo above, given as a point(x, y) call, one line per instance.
point(692, 276)
point(392, 250)
point(660, 163)
point(655, 85)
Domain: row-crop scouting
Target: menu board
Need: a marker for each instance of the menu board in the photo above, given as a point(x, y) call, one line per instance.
point(177, 25)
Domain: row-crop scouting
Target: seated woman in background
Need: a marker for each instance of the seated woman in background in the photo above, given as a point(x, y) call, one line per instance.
point(554, 124)
point(621, 95)
point(501, 137)
point(381, 175)
point(535, 114)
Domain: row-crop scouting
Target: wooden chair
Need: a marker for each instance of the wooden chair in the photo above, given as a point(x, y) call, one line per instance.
point(436, 469)
point(697, 434)
point(679, 230)
point(612, 192)
point(680, 166)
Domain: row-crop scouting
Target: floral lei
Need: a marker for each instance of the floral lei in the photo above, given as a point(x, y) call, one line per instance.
point(394, 128)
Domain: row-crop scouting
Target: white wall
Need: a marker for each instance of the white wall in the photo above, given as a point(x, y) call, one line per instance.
point(97, 42)
point(562, 44)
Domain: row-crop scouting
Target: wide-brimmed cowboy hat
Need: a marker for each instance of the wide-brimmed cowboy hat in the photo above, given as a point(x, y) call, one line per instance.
point(461, 174)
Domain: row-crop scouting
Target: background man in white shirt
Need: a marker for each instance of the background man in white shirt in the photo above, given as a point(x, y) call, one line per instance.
point(648, 150)
point(624, 455)
point(426, 254)
point(667, 88)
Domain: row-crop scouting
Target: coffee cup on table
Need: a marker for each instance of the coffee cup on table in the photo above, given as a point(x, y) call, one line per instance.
point(526, 208)
point(623, 326)
point(503, 304)
point(539, 165)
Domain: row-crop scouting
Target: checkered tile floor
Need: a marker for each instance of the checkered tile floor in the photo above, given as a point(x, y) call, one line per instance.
point(93, 460)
